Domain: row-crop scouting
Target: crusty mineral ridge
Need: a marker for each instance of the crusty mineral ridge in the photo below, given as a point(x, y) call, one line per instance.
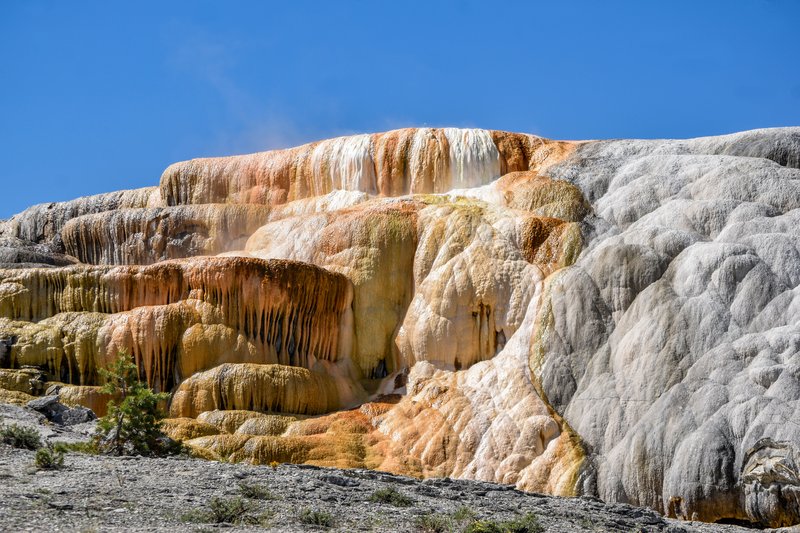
point(175, 317)
point(395, 163)
point(616, 318)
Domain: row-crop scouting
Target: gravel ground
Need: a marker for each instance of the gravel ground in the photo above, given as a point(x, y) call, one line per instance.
point(98, 493)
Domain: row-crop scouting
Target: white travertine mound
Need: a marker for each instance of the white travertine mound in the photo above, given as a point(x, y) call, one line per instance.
point(672, 346)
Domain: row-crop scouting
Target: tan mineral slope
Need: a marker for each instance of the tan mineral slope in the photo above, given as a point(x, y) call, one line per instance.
point(617, 318)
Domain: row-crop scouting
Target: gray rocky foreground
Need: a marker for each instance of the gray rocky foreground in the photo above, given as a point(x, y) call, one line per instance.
point(100, 493)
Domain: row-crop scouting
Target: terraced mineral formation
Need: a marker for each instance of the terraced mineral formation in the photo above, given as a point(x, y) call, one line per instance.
point(615, 318)
point(146, 236)
point(395, 163)
point(175, 317)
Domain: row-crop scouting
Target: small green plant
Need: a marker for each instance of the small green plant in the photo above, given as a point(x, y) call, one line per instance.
point(433, 523)
point(49, 459)
point(521, 524)
point(391, 496)
point(464, 514)
point(132, 426)
point(89, 447)
point(228, 510)
point(196, 516)
point(527, 523)
point(588, 525)
point(484, 526)
point(255, 492)
point(20, 437)
point(316, 518)
point(221, 511)
point(264, 518)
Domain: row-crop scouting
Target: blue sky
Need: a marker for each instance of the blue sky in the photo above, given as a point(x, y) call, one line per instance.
point(102, 95)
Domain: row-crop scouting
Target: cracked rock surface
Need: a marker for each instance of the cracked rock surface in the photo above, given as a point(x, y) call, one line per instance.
point(102, 493)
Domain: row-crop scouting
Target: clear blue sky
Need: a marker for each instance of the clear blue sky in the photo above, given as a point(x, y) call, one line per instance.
point(102, 95)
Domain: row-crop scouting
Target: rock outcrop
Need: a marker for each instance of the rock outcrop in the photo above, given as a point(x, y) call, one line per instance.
point(610, 318)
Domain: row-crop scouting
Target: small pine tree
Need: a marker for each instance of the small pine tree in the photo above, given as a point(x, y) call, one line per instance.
point(133, 424)
point(48, 458)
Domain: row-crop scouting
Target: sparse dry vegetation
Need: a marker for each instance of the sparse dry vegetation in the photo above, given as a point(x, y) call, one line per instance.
point(391, 496)
point(20, 437)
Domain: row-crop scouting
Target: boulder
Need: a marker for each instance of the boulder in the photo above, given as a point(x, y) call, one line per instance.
point(59, 413)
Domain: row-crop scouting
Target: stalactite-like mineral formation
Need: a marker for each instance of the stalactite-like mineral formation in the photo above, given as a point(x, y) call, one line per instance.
point(613, 318)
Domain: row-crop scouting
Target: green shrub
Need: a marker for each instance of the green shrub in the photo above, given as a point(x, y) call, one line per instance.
point(132, 426)
point(79, 447)
point(521, 524)
point(228, 510)
point(433, 523)
point(484, 526)
point(524, 524)
point(255, 492)
point(463, 514)
point(263, 519)
point(20, 437)
point(316, 518)
point(196, 516)
point(221, 511)
point(49, 459)
point(392, 497)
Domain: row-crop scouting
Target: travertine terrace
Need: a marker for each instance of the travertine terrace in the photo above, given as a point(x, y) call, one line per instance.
point(612, 318)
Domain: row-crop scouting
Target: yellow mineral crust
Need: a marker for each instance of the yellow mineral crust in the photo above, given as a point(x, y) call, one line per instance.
point(424, 160)
point(175, 317)
point(227, 421)
point(531, 191)
point(276, 388)
point(63, 345)
point(187, 428)
point(25, 380)
point(345, 439)
point(374, 245)
point(15, 397)
point(86, 395)
point(433, 275)
point(266, 425)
